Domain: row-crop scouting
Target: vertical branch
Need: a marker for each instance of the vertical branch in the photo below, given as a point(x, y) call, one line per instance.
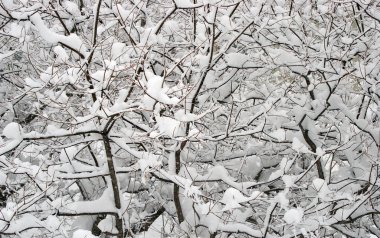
point(212, 43)
point(194, 22)
point(89, 59)
point(96, 22)
point(291, 7)
point(177, 201)
point(67, 32)
point(115, 186)
point(268, 217)
point(312, 146)
point(360, 107)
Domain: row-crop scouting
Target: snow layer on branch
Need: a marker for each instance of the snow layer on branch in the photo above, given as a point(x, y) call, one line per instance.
point(53, 130)
point(148, 161)
point(3, 178)
point(227, 23)
point(239, 60)
point(53, 223)
point(285, 165)
point(68, 153)
point(73, 41)
point(362, 124)
point(72, 8)
point(282, 200)
point(156, 228)
point(26, 221)
point(157, 90)
point(233, 197)
point(119, 104)
point(119, 52)
point(148, 165)
point(183, 116)
point(282, 57)
point(83, 234)
point(10, 145)
point(4, 55)
point(108, 224)
point(103, 205)
point(33, 83)
point(61, 54)
point(217, 225)
point(169, 127)
point(300, 147)
point(6, 214)
point(279, 134)
point(187, 4)
point(18, 12)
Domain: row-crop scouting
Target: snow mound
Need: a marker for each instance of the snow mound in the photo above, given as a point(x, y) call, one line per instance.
point(293, 216)
point(13, 131)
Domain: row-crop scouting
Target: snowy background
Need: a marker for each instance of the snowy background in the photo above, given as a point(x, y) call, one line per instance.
point(189, 118)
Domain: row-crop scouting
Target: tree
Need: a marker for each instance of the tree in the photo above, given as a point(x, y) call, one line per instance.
point(190, 118)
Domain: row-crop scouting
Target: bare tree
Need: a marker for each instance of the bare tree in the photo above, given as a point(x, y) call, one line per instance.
point(189, 118)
